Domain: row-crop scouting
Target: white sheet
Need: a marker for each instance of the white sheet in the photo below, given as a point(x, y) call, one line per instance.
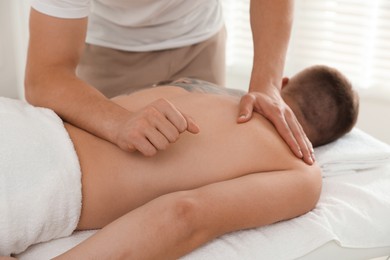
point(333, 251)
point(354, 211)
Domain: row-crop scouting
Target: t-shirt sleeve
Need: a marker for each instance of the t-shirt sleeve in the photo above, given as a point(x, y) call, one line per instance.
point(63, 8)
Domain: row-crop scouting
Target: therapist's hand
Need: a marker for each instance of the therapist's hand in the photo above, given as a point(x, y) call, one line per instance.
point(282, 117)
point(153, 128)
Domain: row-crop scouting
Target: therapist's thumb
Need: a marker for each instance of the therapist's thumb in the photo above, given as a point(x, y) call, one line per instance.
point(192, 126)
point(246, 108)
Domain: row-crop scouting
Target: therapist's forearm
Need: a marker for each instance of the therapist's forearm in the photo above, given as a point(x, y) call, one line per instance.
point(75, 101)
point(271, 23)
point(55, 48)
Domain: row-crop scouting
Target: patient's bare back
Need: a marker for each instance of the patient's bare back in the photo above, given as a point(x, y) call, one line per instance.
point(115, 182)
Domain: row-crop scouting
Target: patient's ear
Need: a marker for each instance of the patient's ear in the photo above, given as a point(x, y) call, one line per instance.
point(285, 81)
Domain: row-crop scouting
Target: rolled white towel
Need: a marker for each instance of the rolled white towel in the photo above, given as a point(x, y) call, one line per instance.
point(353, 152)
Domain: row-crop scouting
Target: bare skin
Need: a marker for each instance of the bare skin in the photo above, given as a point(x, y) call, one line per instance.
point(271, 23)
point(51, 81)
point(227, 177)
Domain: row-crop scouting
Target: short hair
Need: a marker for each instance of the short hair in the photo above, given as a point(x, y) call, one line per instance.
point(327, 101)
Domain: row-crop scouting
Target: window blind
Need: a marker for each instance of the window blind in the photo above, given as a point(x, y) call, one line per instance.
point(351, 35)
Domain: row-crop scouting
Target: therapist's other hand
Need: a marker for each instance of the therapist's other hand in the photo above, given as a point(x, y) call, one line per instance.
point(282, 117)
point(154, 127)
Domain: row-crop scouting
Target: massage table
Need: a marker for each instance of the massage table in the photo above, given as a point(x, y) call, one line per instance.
point(350, 221)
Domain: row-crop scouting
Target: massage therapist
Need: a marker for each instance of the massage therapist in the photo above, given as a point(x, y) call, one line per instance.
point(82, 52)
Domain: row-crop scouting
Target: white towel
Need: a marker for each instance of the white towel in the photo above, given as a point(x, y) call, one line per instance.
point(40, 178)
point(354, 152)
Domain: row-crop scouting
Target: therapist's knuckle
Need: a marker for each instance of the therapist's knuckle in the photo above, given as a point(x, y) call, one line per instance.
point(181, 125)
point(163, 103)
point(151, 112)
point(135, 135)
point(173, 136)
point(274, 114)
point(249, 99)
point(164, 144)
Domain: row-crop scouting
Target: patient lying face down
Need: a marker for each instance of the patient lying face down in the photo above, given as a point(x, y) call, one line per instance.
point(227, 177)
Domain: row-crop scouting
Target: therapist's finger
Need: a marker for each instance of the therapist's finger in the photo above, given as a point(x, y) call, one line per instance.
point(165, 127)
point(179, 120)
point(157, 139)
point(246, 106)
point(285, 132)
point(192, 126)
point(141, 144)
point(304, 145)
point(309, 145)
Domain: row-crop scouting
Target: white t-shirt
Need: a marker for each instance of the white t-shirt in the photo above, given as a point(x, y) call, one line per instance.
point(141, 25)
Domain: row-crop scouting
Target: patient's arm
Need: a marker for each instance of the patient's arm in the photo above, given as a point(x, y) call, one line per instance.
point(174, 224)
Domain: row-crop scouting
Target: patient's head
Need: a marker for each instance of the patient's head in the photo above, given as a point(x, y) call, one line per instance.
point(323, 101)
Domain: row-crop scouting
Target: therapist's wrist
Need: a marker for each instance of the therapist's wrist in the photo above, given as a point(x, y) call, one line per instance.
point(270, 89)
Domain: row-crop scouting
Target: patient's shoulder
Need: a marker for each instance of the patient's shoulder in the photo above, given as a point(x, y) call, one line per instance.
point(269, 147)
